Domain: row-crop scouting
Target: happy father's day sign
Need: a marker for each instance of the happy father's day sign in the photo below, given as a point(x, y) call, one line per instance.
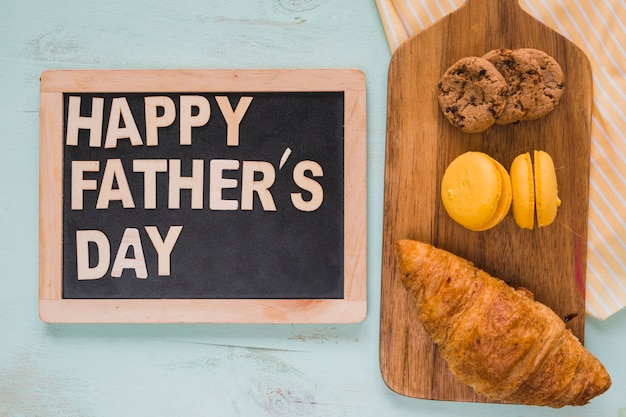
point(202, 196)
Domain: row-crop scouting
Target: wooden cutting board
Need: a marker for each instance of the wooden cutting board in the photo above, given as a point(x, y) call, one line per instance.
point(550, 261)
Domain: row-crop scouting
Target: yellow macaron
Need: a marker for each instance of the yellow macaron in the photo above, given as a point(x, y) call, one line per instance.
point(535, 191)
point(476, 191)
point(547, 199)
point(523, 184)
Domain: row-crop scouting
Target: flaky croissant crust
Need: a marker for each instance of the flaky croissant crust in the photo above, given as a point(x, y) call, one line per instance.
point(498, 340)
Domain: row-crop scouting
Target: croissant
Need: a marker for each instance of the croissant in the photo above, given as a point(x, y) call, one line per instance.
point(500, 341)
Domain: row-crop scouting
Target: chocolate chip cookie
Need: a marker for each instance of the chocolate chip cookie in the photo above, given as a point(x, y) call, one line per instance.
point(553, 81)
point(524, 80)
point(472, 94)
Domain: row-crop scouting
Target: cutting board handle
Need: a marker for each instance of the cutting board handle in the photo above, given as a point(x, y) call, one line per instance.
point(493, 7)
point(501, 3)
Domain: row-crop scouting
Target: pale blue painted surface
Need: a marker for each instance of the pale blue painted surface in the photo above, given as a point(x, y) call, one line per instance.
point(201, 370)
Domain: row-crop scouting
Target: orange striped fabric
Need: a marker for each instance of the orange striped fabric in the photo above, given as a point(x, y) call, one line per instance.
point(598, 27)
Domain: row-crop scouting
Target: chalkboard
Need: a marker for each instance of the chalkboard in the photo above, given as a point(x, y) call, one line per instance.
point(203, 196)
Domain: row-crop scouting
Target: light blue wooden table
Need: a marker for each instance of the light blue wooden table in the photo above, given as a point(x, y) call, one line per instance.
point(202, 370)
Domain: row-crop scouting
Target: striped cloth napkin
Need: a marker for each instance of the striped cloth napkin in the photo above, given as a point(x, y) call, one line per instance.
point(598, 27)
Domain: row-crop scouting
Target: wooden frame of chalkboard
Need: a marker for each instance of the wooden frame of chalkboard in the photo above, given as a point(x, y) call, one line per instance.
point(203, 196)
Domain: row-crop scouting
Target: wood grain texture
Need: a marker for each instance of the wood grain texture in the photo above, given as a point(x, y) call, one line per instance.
point(551, 261)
